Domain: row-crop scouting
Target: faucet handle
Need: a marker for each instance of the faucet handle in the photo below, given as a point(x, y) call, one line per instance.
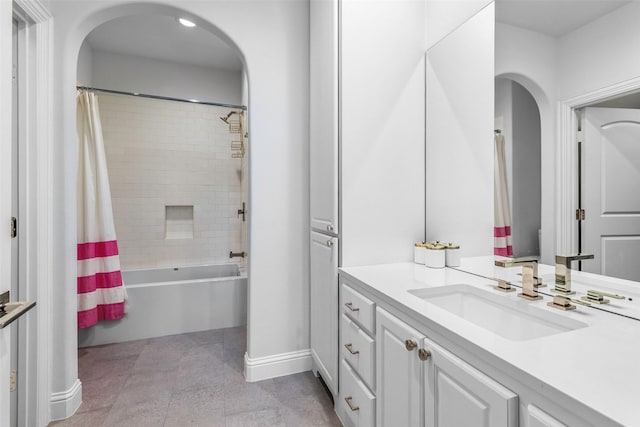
point(567, 259)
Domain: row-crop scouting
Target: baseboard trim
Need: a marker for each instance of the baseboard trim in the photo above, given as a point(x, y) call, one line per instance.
point(65, 403)
point(262, 368)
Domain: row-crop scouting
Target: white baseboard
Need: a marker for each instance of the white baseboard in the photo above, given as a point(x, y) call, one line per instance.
point(64, 404)
point(262, 368)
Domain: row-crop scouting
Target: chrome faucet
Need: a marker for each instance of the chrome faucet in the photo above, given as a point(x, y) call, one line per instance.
point(530, 279)
point(563, 272)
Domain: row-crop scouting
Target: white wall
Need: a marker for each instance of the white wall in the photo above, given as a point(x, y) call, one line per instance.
point(272, 37)
point(601, 53)
point(167, 153)
point(144, 75)
point(85, 65)
point(459, 147)
point(444, 16)
point(382, 122)
point(530, 59)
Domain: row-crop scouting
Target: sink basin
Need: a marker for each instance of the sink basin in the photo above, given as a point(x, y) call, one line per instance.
point(514, 319)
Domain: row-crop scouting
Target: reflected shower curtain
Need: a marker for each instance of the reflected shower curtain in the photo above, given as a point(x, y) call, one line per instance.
point(502, 212)
point(101, 293)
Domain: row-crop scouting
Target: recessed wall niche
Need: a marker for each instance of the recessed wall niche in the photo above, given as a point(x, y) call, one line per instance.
point(179, 222)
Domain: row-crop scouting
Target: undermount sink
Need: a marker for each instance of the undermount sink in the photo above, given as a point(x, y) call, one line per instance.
point(514, 319)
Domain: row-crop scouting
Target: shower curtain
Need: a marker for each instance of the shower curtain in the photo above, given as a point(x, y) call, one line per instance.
point(101, 293)
point(502, 212)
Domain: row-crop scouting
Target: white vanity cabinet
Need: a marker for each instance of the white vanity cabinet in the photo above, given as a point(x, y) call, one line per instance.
point(324, 310)
point(323, 116)
point(399, 372)
point(393, 374)
point(356, 403)
point(456, 394)
point(420, 383)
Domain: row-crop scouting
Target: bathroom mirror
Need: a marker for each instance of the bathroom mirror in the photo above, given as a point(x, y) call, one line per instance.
point(552, 59)
point(459, 123)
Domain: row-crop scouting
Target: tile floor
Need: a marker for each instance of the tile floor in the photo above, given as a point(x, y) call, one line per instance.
point(192, 379)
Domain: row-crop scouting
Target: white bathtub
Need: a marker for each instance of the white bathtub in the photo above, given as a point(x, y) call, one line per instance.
point(167, 301)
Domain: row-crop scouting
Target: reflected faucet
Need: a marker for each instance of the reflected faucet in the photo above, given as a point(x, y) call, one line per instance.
point(563, 272)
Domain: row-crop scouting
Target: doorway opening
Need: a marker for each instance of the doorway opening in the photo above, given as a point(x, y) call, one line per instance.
point(172, 101)
point(517, 118)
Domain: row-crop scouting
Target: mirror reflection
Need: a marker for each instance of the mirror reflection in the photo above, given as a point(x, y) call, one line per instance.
point(549, 52)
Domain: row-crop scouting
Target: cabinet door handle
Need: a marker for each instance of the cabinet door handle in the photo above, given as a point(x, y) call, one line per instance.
point(330, 243)
point(348, 400)
point(410, 345)
point(329, 227)
point(349, 305)
point(424, 354)
point(350, 348)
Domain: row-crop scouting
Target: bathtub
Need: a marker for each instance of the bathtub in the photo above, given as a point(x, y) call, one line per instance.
point(168, 301)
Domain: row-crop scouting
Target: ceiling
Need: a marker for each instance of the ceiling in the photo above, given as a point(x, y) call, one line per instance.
point(553, 17)
point(164, 38)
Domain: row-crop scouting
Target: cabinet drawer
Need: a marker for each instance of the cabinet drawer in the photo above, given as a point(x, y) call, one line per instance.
point(359, 350)
point(359, 308)
point(356, 401)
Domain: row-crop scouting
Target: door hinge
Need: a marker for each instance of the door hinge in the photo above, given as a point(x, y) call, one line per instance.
point(580, 214)
point(14, 227)
point(13, 381)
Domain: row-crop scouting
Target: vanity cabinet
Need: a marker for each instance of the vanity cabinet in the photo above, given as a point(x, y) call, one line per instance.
point(324, 308)
point(399, 373)
point(356, 404)
point(411, 366)
point(393, 374)
point(536, 417)
point(456, 394)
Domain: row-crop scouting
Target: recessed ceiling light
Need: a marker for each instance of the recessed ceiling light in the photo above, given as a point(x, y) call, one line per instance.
point(186, 22)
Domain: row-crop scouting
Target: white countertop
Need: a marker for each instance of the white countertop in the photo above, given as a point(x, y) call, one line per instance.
point(598, 365)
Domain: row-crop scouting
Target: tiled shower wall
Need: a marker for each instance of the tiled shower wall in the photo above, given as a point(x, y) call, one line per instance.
point(167, 153)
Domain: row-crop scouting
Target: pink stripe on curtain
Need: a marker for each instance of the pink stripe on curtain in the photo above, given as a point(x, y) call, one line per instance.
point(99, 280)
point(97, 249)
point(501, 231)
point(101, 294)
point(92, 316)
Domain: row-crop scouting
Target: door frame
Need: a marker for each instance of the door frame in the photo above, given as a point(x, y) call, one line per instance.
point(35, 226)
point(566, 164)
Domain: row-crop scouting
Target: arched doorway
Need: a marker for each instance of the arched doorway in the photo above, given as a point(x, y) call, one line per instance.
point(518, 120)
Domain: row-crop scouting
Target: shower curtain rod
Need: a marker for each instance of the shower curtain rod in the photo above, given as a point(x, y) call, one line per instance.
point(164, 98)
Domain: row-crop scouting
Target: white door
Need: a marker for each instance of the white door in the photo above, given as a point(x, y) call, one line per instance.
point(324, 307)
point(458, 395)
point(610, 191)
point(398, 373)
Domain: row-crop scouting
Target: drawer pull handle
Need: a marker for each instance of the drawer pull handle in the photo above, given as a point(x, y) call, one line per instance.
point(424, 354)
point(348, 400)
point(329, 227)
point(349, 305)
point(410, 345)
point(330, 243)
point(350, 348)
